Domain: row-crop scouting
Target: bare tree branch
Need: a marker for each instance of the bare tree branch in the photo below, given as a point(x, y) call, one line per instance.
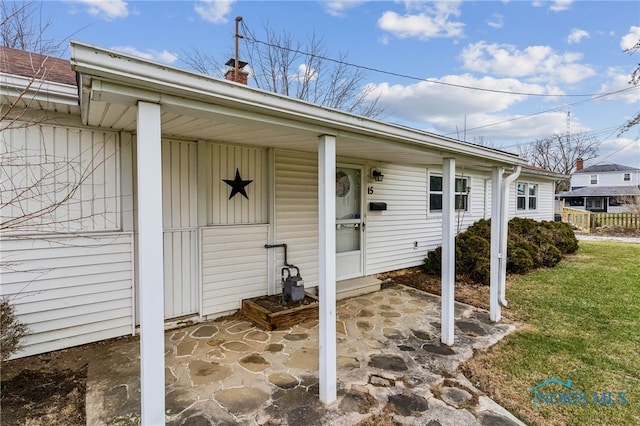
point(560, 153)
point(300, 69)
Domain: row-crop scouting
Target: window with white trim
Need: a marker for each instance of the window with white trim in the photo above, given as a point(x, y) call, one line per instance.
point(627, 177)
point(435, 193)
point(593, 179)
point(527, 196)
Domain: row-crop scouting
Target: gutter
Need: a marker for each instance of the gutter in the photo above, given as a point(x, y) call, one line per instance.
point(504, 232)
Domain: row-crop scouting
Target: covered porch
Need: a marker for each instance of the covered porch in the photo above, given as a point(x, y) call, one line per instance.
point(148, 102)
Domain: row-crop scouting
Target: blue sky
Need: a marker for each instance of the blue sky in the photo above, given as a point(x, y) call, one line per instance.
point(558, 49)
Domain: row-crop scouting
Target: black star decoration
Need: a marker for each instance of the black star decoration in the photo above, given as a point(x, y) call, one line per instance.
point(237, 185)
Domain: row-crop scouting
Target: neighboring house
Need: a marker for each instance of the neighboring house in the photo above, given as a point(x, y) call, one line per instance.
point(183, 179)
point(603, 188)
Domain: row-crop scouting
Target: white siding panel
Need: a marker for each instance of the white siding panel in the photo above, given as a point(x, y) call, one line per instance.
point(234, 266)
point(69, 290)
point(251, 163)
point(390, 234)
point(296, 221)
point(61, 178)
point(180, 220)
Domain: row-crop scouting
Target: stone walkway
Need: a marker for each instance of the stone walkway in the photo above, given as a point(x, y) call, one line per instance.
point(389, 361)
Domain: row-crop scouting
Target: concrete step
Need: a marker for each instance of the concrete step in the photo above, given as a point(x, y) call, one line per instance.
point(357, 287)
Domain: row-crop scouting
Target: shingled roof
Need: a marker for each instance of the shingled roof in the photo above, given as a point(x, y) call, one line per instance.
point(602, 191)
point(34, 65)
point(607, 167)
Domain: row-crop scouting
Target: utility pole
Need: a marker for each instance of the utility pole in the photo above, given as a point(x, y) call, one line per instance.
point(237, 37)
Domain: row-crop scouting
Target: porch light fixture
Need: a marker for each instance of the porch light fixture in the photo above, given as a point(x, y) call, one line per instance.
point(377, 175)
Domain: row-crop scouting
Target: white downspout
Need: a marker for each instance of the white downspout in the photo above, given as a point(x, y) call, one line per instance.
point(504, 222)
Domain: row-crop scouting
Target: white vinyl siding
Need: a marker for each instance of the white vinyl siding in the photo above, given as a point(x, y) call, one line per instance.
point(391, 233)
point(296, 212)
point(234, 266)
point(180, 234)
point(69, 290)
point(251, 163)
point(66, 179)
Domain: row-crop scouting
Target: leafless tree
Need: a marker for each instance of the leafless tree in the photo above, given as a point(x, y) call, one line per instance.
point(299, 68)
point(23, 27)
point(635, 80)
point(560, 153)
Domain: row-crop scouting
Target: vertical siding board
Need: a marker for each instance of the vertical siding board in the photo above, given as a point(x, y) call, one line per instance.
point(251, 163)
point(180, 223)
point(61, 160)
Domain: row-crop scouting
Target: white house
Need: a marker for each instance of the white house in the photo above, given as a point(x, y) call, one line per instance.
point(603, 187)
point(160, 175)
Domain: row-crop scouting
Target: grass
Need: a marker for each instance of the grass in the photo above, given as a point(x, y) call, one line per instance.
point(580, 321)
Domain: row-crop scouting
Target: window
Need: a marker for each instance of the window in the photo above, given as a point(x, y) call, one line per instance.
point(435, 194)
point(526, 196)
point(595, 203)
point(593, 180)
point(627, 177)
point(576, 202)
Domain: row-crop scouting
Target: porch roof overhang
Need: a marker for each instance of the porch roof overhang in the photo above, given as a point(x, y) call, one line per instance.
point(199, 107)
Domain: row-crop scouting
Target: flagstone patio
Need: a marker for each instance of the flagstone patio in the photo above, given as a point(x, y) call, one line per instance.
point(390, 362)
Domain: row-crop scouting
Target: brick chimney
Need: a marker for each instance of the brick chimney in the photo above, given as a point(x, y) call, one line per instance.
point(242, 76)
point(579, 164)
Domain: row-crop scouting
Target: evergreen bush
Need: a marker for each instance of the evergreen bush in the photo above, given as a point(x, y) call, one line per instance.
point(531, 244)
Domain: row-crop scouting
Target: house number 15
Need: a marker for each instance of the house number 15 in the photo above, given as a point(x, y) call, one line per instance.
point(370, 190)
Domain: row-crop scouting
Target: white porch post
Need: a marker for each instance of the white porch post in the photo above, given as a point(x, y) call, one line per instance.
point(327, 266)
point(495, 311)
point(149, 167)
point(448, 250)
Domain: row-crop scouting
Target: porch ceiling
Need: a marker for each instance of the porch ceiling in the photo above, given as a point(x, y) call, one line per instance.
point(228, 129)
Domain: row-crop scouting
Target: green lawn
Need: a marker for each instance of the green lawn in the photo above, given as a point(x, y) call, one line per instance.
point(581, 321)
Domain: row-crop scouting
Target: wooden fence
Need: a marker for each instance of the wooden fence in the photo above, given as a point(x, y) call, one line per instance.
point(581, 219)
point(623, 220)
point(587, 221)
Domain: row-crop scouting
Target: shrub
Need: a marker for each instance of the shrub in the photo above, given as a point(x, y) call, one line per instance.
point(519, 261)
point(531, 245)
point(11, 330)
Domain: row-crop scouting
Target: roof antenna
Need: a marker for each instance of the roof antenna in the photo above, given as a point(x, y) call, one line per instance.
point(237, 37)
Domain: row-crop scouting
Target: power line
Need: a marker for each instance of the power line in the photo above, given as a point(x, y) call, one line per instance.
point(251, 38)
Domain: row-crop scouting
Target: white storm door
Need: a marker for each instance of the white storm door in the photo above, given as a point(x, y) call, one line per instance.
point(349, 222)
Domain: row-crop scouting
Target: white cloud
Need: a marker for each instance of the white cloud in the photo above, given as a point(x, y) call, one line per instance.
point(496, 21)
point(415, 102)
point(305, 73)
point(214, 11)
point(339, 7)
point(630, 39)
point(537, 63)
point(556, 6)
point(105, 9)
point(561, 5)
point(619, 80)
point(577, 35)
point(153, 55)
point(424, 21)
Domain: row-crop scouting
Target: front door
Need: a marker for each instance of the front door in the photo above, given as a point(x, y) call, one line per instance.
point(349, 222)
